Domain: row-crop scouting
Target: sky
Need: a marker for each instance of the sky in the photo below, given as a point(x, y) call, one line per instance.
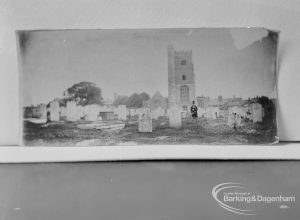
point(227, 62)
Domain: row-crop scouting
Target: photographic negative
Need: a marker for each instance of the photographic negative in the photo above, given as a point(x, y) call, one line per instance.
point(148, 86)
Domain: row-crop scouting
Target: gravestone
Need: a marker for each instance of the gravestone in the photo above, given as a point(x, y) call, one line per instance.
point(121, 112)
point(175, 118)
point(71, 111)
point(230, 120)
point(92, 112)
point(184, 114)
point(79, 112)
point(201, 112)
point(130, 112)
point(43, 111)
point(234, 120)
point(107, 115)
point(145, 121)
point(115, 110)
point(63, 111)
point(156, 113)
point(238, 120)
point(134, 112)
point(54, 111)
point(160, 111)
point(257, 112)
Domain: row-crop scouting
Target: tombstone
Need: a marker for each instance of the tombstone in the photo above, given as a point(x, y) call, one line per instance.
point(257, 112)
point(115, 110)
point(145, 121)
point(54, 111)
point(71, 111)
point(230, 121)
point(238, 120)
point(175, 118)
point(209, 112)
point(43, 111)
point(132, 112)
point(137, 111)
point(201, 112)
point(110, 115)
point(121, 111)
point(79, 112)
point(160, 111)
point(91, 112)
point(213, 112)
point(216, 112)
point(106, 116)
point(143, 110)
point(63, 111)
point(155, 114)
point(184, 114)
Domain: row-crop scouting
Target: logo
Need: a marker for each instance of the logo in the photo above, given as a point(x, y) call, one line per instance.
point(238, 199)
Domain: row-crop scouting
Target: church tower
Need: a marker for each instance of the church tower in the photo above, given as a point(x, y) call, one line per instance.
point(181, 78)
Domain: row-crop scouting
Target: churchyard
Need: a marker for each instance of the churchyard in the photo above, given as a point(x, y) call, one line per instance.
point(143, 127)
point(237, 104)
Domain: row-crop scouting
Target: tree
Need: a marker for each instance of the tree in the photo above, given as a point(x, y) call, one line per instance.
point(144, 96)
point(269, 107)
point(121, 100)
point(136, 100)
point(84, 93)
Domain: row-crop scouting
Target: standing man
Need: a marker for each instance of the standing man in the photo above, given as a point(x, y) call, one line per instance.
point(194, 110)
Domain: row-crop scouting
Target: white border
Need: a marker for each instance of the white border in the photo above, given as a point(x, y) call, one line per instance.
point(274, 14)
point(15, 154)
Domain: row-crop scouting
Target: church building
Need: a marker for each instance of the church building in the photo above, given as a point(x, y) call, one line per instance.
point(181, 78)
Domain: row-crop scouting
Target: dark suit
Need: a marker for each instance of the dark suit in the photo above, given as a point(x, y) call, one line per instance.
point(194, 110)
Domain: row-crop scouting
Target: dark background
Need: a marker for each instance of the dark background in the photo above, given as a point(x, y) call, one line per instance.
point(141, 190)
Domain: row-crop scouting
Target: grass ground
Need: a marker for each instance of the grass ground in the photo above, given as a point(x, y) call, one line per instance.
point(203, 132)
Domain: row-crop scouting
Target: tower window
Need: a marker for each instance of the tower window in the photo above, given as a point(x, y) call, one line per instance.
point(183, 62)
point(184, 93)
point(183, 77)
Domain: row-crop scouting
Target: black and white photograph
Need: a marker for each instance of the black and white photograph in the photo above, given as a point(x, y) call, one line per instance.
point(149, 109)
point(148, 86)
